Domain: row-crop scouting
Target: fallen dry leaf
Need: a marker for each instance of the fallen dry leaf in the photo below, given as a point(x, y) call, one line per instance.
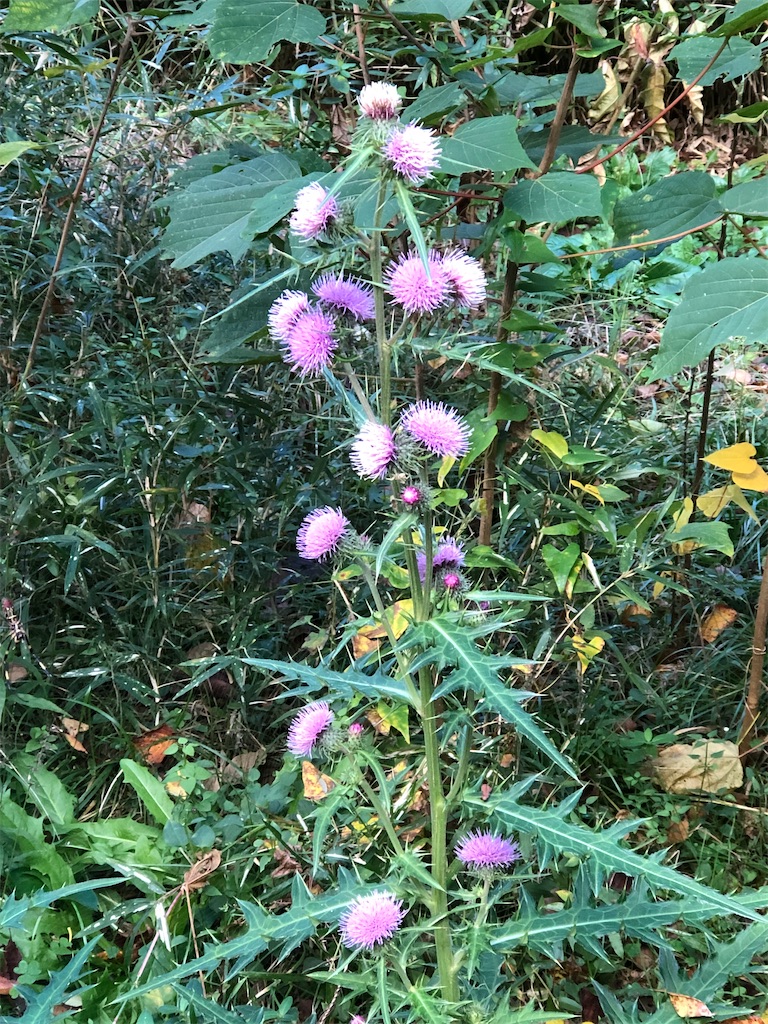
point(197, 876)
point(316, 785)
point(152, 745)
point(720, 618)
point(689, 1006)
point(72, 729)
point(678, 831)
point(6, 984)
point(175, 789)
point(706, 767)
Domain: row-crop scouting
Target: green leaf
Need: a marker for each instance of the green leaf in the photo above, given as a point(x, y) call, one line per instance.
point(584, 17)
point(478, 673)
point(745, 15)
point(487, 144)
point(432, 104)
point(484, 431)
point(44, 1006)
point(10, 151)
point(401, 526)
point(13, 912)
point(214, 212)
point(46, 791)
point(552, 441)
point(711, 536)
point(207, 1010)
point(724, 303)
point(739, 58)
point(149, 790)
point(607, 853)
point(47, 15)
point(750, 199)
point(555, 198)
point(449, 10)
point(671, 206)
point(750, 114)
point(244, 31)
point(561, 563)
point(342, 684)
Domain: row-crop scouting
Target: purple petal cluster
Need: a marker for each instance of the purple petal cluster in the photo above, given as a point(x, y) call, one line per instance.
point(449, 555)
point(439, 428)
point(373, 451)
point(321, 533)
point(307, 728)
point(284, 312)
point(379, 101)
point(412, 152)
point(310, 342)
point(345, 296)
point(486, 850)
point(453, 277)
point(371, 920)
point(315, 211)
point(466, 277)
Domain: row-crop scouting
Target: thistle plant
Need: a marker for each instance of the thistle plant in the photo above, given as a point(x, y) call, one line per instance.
point(428, 912)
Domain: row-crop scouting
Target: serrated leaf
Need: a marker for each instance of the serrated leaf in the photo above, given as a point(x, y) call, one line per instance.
point(671, 206)
point(244, 31)
point(607, 853)
point(13, 911)
point(725, 302)
point(342, 684)
point(487, 143)
point(433, 103)
point(555, 198)
point(44, 1006)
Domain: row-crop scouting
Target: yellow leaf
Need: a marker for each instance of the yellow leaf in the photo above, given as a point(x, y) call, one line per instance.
point(736, 459)
point(400, 616)
point(316, 785)
point(713, 502)
point(445, 468)
point(368, 637)
point(588, 489)
point(681, 518)
point(392, 718)
point(587, 650)
point(689, 1006)
point(552, 441)
point(176, 790)
point(366, 640)
point(720, 618)
point(755, 480)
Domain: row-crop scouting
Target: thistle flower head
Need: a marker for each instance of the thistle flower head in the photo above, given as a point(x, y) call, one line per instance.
point(355, 730)
point(438, 428)
point(410, 286)
point(310, 342)
point(412, 152)
point(321, 533)
point(357, 1019)
point(345, 296)
point(379, 101)
point(451, 580)
point(284, 312)
point(315, 210)
point(466, 277)
point(307, 728)
point(449, 554)
point(373, 451)
point(486, 850)
point(371, 920)
point(411, 496)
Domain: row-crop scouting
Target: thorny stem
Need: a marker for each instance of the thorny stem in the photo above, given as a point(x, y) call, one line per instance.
point(383, 992)
point(383, 346)
point(402, 664)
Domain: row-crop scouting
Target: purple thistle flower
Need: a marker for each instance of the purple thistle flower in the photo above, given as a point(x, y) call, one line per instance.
point(371, 920)
point(452, 581)
point(285, 311)
point(379, 101)
point(483, 850)
point(411, 288)
point(321, 532)
point(448, 555)
point(355, 731)
point(466, 277)
point(345, 296)
point(440, 429)
point(373, 451)
point(413, 152)
point(315, 210)
point(357, 1019)
point(307, 728)
point(411, 496)
point(310, 342)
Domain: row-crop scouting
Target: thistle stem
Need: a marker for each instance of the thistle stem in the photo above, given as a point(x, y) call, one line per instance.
point(383, 345)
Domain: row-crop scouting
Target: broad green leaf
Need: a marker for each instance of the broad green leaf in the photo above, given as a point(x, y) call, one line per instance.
point(739, 58)
point(561, 563)
point(270, 208)
point(47, 15)
point(485, 144)
point(555, 198)
point(449, 10)
point(432, 104)
point(244, 31)
point(149, 790)
point(750, 199)
point(46, 791)
point(710, 536)
point(750, 114)
point(10, 151)
point(723, 304)
point(214, 212)
point(605, 849)
point(342, 684)
point(484, 431)
point(744, 15)
point(574, 141)
point(584, 17)
point(552, 441)
point(671, 206)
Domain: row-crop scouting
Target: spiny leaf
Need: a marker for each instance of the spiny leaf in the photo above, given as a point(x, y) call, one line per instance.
point(342, 684)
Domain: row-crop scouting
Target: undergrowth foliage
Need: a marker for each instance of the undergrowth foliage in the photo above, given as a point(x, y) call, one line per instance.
point(258, 556)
